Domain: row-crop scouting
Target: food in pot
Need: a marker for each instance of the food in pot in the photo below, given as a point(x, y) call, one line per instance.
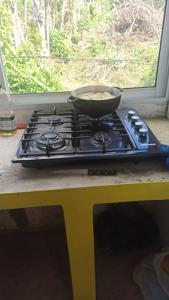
point(96, 96)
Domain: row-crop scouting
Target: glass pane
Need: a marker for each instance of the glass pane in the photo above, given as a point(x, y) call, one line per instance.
point(59, 45)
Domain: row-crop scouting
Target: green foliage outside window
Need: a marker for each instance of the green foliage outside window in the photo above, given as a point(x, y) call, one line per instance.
point(59, 45)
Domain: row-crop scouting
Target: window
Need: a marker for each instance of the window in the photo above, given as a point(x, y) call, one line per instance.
point(59, 45)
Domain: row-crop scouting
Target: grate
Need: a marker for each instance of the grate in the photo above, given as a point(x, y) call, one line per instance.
point(78, 132)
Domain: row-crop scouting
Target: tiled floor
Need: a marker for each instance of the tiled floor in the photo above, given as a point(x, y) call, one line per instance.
point(34, 266)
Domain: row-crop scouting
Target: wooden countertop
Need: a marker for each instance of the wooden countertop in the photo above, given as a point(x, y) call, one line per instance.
point(15, 178)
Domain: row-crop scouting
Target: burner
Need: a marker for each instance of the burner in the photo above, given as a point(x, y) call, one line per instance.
point(101, 137)
point(55, 120)
point(106, 118)
point(104, 123)
point(52, 139)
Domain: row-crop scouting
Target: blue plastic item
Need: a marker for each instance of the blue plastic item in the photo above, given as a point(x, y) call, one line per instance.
point(167, 162)
point(164, 149)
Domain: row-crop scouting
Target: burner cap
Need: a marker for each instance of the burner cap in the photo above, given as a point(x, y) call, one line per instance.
point(100, 137)
point(106, 118)
point(55, 120)
point(104, 122)
point(53, 139)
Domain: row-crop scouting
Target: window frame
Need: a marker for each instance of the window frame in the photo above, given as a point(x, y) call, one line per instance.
point(137, 96)
point(3, 79)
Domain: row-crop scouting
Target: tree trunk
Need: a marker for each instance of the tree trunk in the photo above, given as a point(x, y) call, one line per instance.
point(25, 18)
point(53, 21)
point(63, 13)
point(74, 17)
point(40, 14)
point(47, 18)
point(17, 28)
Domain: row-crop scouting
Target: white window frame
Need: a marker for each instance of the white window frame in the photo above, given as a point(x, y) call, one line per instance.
point(155, 98)
point(3, 79)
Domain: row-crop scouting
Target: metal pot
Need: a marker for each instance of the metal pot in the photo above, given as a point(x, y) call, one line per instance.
point(95, 108)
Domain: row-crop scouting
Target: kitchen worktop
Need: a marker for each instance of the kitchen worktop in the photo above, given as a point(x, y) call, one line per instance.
point(15, 178)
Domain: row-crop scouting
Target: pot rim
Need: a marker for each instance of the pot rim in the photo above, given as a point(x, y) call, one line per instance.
point(115, 91)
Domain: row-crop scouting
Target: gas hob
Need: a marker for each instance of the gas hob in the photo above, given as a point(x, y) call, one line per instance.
point(55, 138)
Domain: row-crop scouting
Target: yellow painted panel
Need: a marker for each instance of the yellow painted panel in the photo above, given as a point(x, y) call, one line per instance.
point(91, 195)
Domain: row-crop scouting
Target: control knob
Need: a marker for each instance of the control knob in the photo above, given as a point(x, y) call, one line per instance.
point(143, 132)
point(131, 113)
point(138, 125)
point(134, 119)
